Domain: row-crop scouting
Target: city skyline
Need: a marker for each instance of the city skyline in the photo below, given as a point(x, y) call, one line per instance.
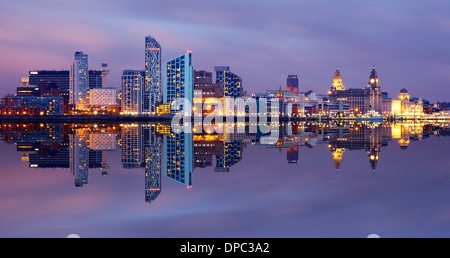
point(262, 51)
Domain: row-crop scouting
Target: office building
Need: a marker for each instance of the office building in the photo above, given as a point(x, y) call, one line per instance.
point(152, 91)
point(179, 81)
point(95, 79)
point(79, 82)
point(132, 92)
point(232, 83)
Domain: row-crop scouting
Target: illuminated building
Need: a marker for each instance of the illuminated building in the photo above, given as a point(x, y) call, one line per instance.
point(360, 101)
point(60, 78)
point(337, 81)
point(103, 98)
point(231, 83)
point(179, 81)
point(292, 84)
point(132, 92)
point(32, 105)
point(152, 91)
point(409, 107)
point(203, 81)
point(79, 82)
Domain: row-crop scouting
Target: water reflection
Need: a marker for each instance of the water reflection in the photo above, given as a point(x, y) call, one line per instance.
point(157, 150)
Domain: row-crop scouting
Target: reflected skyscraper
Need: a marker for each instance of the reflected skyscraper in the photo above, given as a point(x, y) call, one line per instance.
point(79, 157)
point(132, 146)
point(177, 156)
point(152, 165)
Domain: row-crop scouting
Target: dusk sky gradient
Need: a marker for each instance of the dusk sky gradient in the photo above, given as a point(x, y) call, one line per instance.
point(262, 41)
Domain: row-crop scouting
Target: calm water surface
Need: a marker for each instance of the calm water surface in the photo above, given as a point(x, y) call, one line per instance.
point(313, 181)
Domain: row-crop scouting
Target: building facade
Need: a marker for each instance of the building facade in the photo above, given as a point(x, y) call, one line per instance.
point(132, 92)
point(79, 81)
point(231, 82)
point(179, 79)
point(152, 91)
point(361, 101)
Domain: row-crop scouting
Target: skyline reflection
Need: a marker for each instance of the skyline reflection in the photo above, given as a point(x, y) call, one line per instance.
point(159, 152)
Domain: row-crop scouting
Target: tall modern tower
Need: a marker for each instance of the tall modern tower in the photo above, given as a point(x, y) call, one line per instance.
point(152, 92)
point(292, 84)
point(79, 81)
point(232, 83)
point(132, 91)
point(179, 79)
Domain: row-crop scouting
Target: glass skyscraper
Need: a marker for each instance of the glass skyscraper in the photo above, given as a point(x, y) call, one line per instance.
point(152, 91)
point(179, 80)
point(232, 83)
point(79, 81)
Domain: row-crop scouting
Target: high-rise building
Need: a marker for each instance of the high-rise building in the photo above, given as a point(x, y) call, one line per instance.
point(152, 91)
point(132, 91)
point(232, 83)
point(79, 81)
point(132, 146)
point(95, 79)
point(179, 81)
point(292, 84)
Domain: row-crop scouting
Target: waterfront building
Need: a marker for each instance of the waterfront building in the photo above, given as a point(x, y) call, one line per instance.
point(179, 81)
point(153, 77)
point(79, 82)
point(231, 82)
point(132, 92)
point(361, 101)
point(103, 99)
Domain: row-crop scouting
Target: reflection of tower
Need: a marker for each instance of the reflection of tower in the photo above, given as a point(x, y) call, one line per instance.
point(105, 166)
point(374, 156)
point(292, 154)
point(79, 157)
point(177, 155)
point(231, 155)
point(105, 71)
point(338, 154)
point(132, 146)
point(153, 171)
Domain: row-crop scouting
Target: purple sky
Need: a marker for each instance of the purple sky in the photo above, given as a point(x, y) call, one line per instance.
point(263, 41)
